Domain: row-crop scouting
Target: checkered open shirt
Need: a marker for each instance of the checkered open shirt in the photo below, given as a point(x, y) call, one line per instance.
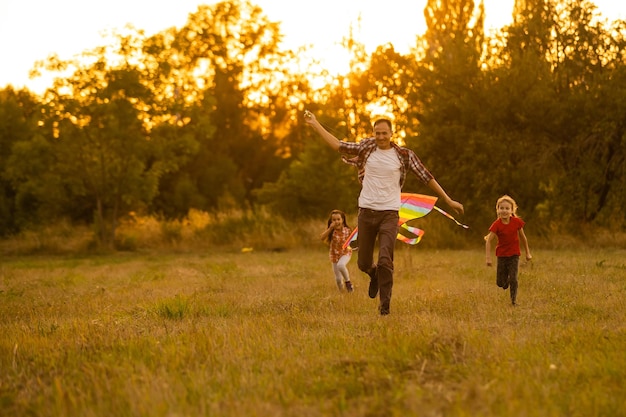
point(363, 149)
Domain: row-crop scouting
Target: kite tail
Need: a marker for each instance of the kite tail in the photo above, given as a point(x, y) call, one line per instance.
point(414, 231)
point(450, 217)
point(350, 238)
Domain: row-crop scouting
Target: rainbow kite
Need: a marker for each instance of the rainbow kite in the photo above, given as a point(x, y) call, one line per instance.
point(412, 206)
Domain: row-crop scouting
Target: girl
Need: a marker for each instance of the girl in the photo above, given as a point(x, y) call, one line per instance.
point(509, 229)
point(335, 235)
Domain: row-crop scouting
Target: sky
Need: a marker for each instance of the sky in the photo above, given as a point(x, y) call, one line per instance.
point(31, 30)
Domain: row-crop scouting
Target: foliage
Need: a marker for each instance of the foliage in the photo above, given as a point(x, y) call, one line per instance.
point(524, 124)
point(99, 144)
point(207, 117)
point(18, 118)
point(313, 185)
point(231, 49)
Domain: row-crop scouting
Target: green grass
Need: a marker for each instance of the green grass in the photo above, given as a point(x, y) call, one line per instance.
point(268, 334)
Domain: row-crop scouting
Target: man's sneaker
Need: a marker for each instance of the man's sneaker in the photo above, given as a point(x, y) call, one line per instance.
point(505, 286)
point(373, 289)
point(349, 287)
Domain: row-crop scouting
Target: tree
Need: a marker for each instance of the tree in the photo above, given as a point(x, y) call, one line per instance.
point(563, 62)
point(105, 143)
point(314, 184)
point(448, 98)
point(18, 123)
point(588, 66)
point(231, 49)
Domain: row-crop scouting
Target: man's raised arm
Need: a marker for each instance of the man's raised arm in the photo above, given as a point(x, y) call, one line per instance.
point(332, 141)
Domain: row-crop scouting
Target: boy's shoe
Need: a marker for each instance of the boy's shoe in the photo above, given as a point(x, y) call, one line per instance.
point(373, 289)
point(506, 285)
point(349, 287)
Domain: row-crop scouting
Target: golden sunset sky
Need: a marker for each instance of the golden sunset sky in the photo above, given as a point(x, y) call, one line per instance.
point(30, 30)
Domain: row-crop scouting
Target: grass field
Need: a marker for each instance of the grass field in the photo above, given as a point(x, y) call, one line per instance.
point(268, 334)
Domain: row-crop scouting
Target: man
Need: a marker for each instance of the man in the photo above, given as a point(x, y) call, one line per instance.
point(382, 167)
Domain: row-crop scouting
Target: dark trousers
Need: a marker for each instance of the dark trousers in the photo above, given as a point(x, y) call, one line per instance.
point(384, 225)
point(506, 274)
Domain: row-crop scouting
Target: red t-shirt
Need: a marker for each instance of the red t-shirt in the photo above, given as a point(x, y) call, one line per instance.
point(508, 236)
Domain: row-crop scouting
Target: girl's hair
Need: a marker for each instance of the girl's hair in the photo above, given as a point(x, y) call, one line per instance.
point(330, 220)
point(509, 200)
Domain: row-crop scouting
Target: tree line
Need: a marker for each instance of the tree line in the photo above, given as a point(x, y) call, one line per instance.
point(209, 116)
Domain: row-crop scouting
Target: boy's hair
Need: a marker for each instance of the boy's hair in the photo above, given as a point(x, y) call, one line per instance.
point(509, 200)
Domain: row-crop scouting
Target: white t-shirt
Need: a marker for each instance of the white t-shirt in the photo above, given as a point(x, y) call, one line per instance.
point(381, 184)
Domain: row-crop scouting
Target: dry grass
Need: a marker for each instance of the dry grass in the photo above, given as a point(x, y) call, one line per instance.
point(268, 334)
point(261, 231)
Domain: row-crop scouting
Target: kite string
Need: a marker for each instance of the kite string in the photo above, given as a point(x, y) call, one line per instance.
point(335, 132)
point(450, 217)
point(339, 135)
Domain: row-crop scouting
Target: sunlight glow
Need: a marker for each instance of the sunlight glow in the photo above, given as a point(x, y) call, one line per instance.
point(32, 30)
point(380, 109)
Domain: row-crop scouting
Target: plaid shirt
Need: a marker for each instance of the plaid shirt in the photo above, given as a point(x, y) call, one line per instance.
point(336, 244)
point(363, 149)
